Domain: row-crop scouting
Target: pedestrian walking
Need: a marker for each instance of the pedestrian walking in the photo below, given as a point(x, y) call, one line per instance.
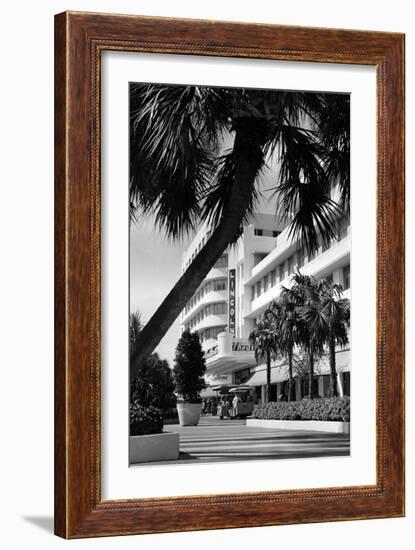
point(235, 402)
point(223, 409)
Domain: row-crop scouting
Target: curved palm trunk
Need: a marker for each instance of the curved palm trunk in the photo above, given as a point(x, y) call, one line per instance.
point(268, 377)
point(333, 373)
point(248, 159)
point(311, 373)
point(290, 376)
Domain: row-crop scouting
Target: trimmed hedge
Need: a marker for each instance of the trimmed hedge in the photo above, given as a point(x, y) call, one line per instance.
point(329, 408)
point(145, 420)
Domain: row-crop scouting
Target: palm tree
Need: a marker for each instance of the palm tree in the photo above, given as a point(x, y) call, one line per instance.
point(180, 174)
point(135, 327)
point(289, 326)
point(304, 295)
point(265, 341)
point(328, 317)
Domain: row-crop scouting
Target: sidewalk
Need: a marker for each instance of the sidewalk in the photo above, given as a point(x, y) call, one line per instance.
point(225, 440)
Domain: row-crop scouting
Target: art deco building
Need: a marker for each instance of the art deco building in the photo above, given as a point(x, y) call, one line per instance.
point(241, 286)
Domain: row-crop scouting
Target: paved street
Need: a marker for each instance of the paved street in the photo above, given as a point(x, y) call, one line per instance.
point(224, 440)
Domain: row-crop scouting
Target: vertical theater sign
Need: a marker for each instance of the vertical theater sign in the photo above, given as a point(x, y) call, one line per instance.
point(232, 302)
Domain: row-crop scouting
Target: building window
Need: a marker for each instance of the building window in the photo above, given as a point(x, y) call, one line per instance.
point(219, 309)
point(346, 277)
point(346, 383)
point(219, 285)
point(258, 394)
point(259, 257)
point(212, 333)
point(242, 376)
point(281, 270)
point(266, 282)
point(258, 232)
point(222, 262)
point(276, 233)
point(305, 386)
point(258, 289)
point(273, 278)
point(329, 278)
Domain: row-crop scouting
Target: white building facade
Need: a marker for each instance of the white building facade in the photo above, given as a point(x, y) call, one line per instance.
point(242, 285)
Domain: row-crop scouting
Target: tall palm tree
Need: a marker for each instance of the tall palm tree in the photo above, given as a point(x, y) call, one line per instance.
point(180, 174)
point(328, 317)
point(265, 340)
point(289, 326)
point(304, 295)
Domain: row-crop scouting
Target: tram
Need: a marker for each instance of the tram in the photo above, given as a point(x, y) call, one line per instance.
point(234, 401)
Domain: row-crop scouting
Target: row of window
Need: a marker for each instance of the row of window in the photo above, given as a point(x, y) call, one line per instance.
point(297, 260)
point(266, 232)
point(340, 230)
point(210, 333)
point(283, 270)
point(211, 309)
point(197, 249)
point(275, 276)
point(345, 277)
point(222, 262)
point(211, 286)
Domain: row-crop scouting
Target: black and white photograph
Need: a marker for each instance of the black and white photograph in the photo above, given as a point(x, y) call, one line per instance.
point(194, 195)
point(240, 285)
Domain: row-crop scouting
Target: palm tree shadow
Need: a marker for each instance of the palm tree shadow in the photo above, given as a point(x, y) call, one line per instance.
point(43, 522)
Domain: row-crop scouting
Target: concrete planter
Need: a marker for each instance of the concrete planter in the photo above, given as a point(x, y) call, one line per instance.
point(189, 413)
point(154, 447)
point(306, 425)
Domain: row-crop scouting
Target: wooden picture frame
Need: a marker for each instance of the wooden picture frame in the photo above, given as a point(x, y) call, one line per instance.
point(79, 40)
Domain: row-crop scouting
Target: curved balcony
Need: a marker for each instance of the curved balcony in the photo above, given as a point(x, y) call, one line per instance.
point(217, 273)
point(212, 297)
point(211, 321)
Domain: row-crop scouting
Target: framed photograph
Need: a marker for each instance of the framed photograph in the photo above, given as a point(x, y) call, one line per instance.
point(229, 275)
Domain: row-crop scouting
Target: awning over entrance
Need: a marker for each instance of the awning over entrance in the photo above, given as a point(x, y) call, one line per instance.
point(259, 378)
point(280, 373)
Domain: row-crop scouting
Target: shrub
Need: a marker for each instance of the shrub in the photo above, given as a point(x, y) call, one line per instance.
point(189, 367)
point(330, 408)
point(153, 385)
point(145, 420)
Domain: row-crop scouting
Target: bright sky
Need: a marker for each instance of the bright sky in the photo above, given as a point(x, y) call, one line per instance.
point(155, 264)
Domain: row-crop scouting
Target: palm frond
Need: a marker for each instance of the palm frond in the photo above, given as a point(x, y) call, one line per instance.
point(334, 133)
point(172, 151)
point(304, 190)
